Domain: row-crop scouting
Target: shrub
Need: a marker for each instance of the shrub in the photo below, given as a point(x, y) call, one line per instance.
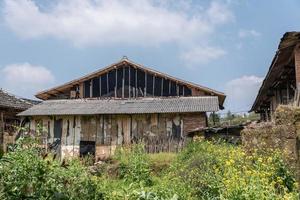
point(221, 171)
point(25, 174)
point(134, 165)
point(203, 170)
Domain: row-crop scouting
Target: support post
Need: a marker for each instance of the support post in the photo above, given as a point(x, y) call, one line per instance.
point(297, 70)
point(169, 87)
point(129, 83)
point(100, 86)
point(145, 89)
point(116, 83)
point(136, 88)
point(153, 88)
point(91, 88)
point(162, 87)
point(1, 130)
point(107, 83)
point(287, 92)
point(123, 83)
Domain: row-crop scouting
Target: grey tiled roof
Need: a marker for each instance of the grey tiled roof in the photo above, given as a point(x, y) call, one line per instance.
point(10, 101)
point(132, 106)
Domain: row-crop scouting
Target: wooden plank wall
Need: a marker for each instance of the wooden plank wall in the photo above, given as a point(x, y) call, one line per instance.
point(159, 132)
point(126, 81)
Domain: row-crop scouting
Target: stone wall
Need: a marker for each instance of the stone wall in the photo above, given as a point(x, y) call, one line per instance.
point(282, 134)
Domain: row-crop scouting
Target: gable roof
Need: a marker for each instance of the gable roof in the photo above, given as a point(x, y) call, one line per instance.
point(8, 100)
point(125, 60)
point(282, 57)
point(122, 106)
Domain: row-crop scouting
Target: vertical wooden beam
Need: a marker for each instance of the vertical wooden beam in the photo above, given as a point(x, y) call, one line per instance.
point(162, 87)
point(297, 66)
point(153, 88)
point(100, 77)
point(169, 87)
point(1, 130)
point(129, 82)
point(266, 114)
point(136, 80)
point(287, 91)
point(116, 83)
point(107, 83)
point(280, 95)
point(91, 88)
point(123, 83)
point(81, 90)
point(145, 89)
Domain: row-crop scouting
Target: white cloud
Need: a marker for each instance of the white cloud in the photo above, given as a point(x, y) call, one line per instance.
point(249, 33)
point(219, 13)
point(25, 79)
point(134, 22)
point(241, 92)
point(200, 55)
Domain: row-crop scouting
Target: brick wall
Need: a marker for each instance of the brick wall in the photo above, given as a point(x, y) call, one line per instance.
point(192, 121)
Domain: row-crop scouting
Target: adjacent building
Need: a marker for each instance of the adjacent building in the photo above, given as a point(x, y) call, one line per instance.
point(282, 82)
point(121, 104)
point(10, 106)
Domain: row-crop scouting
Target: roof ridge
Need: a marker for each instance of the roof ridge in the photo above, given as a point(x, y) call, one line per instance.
point(148, 99)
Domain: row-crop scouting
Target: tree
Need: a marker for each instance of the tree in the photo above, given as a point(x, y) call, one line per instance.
point(214, 119)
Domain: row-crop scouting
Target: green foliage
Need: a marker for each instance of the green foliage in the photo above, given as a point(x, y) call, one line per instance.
point(134, 165)
point(214, 119)
point(221, 171)
point(203, 170)
point(25, 174)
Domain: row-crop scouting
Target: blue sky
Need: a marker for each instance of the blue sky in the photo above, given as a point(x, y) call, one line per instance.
point(226, 45)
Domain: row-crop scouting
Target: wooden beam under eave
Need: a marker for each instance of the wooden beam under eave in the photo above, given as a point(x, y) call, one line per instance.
point(297, 66)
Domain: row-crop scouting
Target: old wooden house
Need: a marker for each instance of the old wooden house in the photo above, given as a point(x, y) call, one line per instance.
point(282, 82)
point(10, 106)
point(122, 104)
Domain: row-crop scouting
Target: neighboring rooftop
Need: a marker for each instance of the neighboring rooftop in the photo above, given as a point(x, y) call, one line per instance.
point(8, 100)
point(282, 58)
point(118, 106)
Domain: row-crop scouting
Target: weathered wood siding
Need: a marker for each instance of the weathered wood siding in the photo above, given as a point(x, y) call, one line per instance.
point(159, 132)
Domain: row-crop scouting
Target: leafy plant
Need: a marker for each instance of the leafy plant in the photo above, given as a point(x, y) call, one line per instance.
point(134, 165)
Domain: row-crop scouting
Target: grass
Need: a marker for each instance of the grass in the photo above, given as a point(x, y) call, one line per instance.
point(159, 162)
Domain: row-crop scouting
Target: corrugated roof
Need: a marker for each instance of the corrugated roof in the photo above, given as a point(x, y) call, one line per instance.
point(132, 106)
point(8, 100)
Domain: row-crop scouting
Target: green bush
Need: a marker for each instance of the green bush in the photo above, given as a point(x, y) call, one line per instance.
point(134, 165)
point(221, 171)
point(25, 174)
point(203, 170)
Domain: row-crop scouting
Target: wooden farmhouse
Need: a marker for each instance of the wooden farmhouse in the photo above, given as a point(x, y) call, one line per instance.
point(282, 82)
point(122, 104)
point(10, 106)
